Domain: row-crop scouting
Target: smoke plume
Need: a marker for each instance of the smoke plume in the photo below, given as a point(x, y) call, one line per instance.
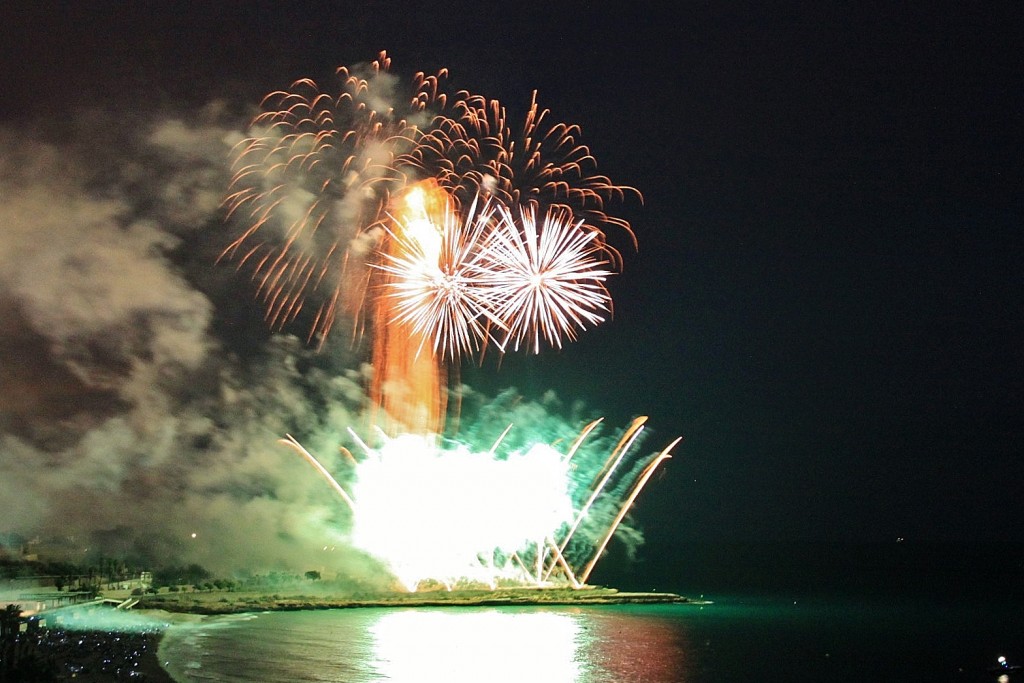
point(140, 402)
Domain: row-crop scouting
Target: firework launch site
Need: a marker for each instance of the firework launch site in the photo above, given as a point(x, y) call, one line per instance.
point(219, 602)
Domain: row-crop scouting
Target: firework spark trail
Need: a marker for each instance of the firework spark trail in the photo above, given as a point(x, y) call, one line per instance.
point(626, 505)
point(475, 151)
point(290, 441)
point(601, 479)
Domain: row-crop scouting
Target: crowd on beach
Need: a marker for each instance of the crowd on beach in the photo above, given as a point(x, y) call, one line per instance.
point(55, 654)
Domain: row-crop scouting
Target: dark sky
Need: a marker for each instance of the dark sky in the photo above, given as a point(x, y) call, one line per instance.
point(826, 299)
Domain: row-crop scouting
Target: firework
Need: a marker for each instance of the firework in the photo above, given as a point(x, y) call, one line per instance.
point(475, 151)
point(450, 514)
point(465, 282)
point(407, 387)
point(440, 229)
point(435, 278)
point(315, 182)
point(544, 281)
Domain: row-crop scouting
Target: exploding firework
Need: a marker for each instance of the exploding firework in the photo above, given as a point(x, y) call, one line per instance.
point(314, 185)
point(462, 283)
point(433, 277)
point(446, 513)
point(452, 282)
point(441, 230)
point(544, 281)
point(475, 151)
point(322, 188)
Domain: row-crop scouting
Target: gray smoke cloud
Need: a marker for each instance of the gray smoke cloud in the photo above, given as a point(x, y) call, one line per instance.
point(128, 417)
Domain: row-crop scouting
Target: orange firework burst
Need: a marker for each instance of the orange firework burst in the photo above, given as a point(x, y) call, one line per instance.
point(475, 151)
point(311, 184)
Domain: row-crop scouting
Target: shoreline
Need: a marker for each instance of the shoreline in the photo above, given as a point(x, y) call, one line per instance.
point(180, 606)
point(221, 602)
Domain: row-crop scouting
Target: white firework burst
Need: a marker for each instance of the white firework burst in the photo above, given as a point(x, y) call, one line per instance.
point(435, 283)
point(543, 281)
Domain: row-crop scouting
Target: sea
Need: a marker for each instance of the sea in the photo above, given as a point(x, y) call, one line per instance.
point(947, 625)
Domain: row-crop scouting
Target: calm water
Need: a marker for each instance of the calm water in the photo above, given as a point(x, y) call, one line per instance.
point(735, 639)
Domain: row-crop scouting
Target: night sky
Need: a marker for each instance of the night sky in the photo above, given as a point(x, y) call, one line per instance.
point(826, 298)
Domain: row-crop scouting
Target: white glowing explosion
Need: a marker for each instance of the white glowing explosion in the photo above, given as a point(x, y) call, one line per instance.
point(454, 514)
point(450, 514)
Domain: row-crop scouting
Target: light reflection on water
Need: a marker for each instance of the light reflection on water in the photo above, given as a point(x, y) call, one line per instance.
point(475, 646)
point(563, 645)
